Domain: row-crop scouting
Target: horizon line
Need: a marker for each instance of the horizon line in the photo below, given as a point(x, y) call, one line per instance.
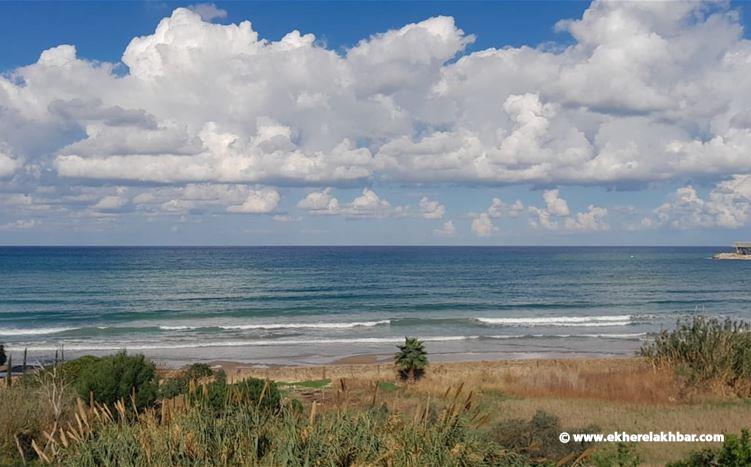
point(359, 246)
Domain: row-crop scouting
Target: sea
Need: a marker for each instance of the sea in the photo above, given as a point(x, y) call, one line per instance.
point(318, 305)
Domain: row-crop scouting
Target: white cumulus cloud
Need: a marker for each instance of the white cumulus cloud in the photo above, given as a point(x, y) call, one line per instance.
point(482, 225)
point(446, 230)
point(21, 224)
point(257, 202)
point(431, 209)
point(208, 11)
point(8, 165)
point(556, 215)
point(635, 94)
point(500, 209)
point(727, 205)
point(368, 204)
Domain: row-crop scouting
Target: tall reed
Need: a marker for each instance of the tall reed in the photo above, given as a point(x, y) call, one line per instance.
point(706, 351)
point(247, 432)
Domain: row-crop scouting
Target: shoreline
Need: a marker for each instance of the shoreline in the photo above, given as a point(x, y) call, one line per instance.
point(173, 360)
point(451, 351)
point(386, 357)
point(369, 368)
point(372, 366)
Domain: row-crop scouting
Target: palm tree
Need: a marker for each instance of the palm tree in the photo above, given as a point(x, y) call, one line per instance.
point(411, 359)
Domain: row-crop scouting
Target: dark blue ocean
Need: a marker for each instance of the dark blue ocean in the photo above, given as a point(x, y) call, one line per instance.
point(318, 304)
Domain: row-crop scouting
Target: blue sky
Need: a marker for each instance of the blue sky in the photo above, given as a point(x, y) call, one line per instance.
point(491, 123)
point(102, 30)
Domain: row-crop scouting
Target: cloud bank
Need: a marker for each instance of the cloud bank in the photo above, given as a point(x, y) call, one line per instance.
point(647, 92)
point(642, 95)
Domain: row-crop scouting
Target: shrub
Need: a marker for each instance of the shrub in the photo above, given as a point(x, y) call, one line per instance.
point(197, 371)
point(411, 359)
point(735, 451)
point(3, 358)
point(622, 455)
point(706, 351)
point(538, 437)
point(248, 435)
point(27, 410)
point(258, 391)
point(72, 368)
point(115, 377)
point(172, 387)
point(220, 396)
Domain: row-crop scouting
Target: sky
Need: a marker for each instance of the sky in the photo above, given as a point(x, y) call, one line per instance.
point(386, 123)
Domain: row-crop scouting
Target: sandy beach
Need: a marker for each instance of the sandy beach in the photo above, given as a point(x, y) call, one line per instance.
point(381, 367)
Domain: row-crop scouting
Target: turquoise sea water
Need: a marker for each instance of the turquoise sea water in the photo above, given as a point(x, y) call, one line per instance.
point(316, 304)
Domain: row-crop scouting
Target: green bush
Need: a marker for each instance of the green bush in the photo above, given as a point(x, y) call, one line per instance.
point(220, 396)
point(247, 435)
point(172, 387)
point(3, 357)
point(622, 455)
point(72, 368)
point(198, 371)
point(116, 377)
point(252, 390)
point(735, 451)
point(706, 351)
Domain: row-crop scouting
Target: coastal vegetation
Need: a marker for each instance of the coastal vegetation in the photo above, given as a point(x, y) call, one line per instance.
point(117, 377)
point(706, 352)
point(735, 451)
point(123, 410)
point(411, 359)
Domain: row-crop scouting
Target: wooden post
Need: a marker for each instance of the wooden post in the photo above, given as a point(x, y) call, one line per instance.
point(8, 379)
point(23, 366)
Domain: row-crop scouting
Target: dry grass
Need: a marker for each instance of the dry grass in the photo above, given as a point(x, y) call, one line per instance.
point(241, 432)
point(26, 411)
point(639, 418)
point(619, 380)
point(615, 394)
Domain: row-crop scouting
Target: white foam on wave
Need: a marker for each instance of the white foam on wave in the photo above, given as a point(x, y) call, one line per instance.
point(634, 335)
point(282, 342)
point(564, 321)
point(367, 324)
point(283, 326)
point(43, 331)
point(158, 346)
point(32, 331)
